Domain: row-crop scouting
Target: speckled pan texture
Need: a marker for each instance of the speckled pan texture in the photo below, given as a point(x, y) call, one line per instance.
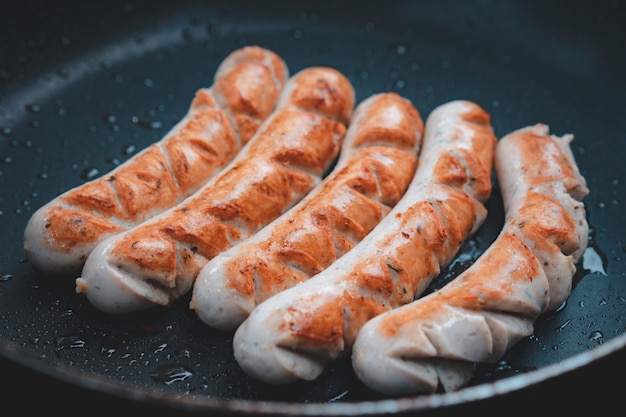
point(84, 86)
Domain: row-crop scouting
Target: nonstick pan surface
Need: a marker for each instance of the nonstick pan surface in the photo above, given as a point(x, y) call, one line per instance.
point(86, 85)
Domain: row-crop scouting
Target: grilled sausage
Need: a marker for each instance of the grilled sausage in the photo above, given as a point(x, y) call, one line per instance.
point(157, 262)
point(293, 334)
point(435, 342)
point(221, 119)
point(376, 164)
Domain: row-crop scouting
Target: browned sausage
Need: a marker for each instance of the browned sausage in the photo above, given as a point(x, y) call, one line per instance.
point(157, 262)
point(377, 162)
point(221, 119)
point(293, 334)
point(435, 342)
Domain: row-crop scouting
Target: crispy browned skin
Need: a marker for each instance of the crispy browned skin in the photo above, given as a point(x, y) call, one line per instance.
point(248, 87)
point(347, 209)
point(378, 161)
point(434, 342)
point(220, 121)
point(244, 198)
point(294, 333)
point(157, 178)
point(429, 234)
point(284, 161)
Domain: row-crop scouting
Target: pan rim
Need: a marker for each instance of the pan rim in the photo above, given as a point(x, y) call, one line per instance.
point(98, 383)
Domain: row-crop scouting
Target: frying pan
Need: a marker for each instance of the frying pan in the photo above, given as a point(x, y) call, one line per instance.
point(85, 85)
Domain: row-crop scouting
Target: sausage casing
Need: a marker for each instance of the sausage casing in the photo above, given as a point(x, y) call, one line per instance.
point(157, 262)
point(435, 342)
point(61, 234)
point(293, 334)
point(376, 164)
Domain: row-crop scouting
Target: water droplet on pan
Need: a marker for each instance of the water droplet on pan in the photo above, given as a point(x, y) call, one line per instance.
point(69, 342)
point(168, 374)
point(127, 150)
point(594, 261)
point(596, 336)
point(89, 173)
point(33, 108)
point(148, 124)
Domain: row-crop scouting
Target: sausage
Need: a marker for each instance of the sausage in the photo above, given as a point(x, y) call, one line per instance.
point(221, 119)
point(293, 334)
point(157, 262)
point(435, 342)
point(376, 164)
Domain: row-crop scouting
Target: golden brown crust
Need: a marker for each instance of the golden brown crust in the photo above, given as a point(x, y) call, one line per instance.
point(380, 162)
point(492, 305)
point(509, 253)
point(203, 98)
point(546, 222)
point(144, 184)
point(538, 152)
point(326, 94)
point(193, 159)
point(76, 227)
point(426, 236)
point(322, 231)
point(390, 119)
point(282, 164)
point(172, 169)
point(245, 90)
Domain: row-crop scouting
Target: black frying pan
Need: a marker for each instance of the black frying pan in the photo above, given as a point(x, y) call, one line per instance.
point(85, 85)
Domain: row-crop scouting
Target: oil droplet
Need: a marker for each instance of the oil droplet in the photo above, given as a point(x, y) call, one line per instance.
point(594, 261)
point(33, 108)
point(128, 149)
point(338, 397)
point(168, 374)
point(108, 351)
point(596, 336)
point(109, 118)
point(159, 348)
point(147, 124)
point(183, 351)
point(564, 325)
point(89, 173)
point(69, 342)
point(470, 252)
